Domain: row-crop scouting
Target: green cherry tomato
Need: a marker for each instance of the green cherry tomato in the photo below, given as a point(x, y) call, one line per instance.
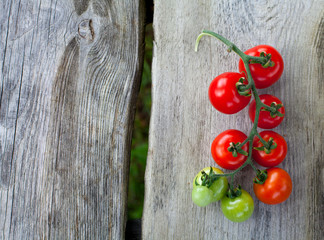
point(202, 196)
point(238, 209)
point(219, 187)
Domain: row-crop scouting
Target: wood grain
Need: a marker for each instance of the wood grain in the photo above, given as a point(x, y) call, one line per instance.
point(70, 73)
point(183, 122)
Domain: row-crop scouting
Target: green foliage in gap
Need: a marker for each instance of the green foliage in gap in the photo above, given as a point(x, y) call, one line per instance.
point(140, 134)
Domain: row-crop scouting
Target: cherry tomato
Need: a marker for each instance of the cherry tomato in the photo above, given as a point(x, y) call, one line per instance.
point(238, 209)
point(219, 187)
point(224, 96)
point(202, 195)
point(276, 188)
point(265, 119)
point(220, 153)
point(264, 77)
point(276, 156)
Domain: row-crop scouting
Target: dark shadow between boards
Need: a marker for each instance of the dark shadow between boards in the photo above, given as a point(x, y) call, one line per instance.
point(140, 136)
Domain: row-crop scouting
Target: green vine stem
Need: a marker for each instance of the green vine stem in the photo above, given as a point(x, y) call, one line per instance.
point(246, 60)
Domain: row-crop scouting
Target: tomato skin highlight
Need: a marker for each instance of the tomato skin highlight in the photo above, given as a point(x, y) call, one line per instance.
point(220, 153)
point(238, 209)
point(224, 96)
point(264, 77)
point(276, 188)
point(219, 187)
point(276, 156)
point(265, 120)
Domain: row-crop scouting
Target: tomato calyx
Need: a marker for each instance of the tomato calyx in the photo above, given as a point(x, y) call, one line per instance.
point(274, 110)
point(234, 148)
point(270, 146)
point(207, 179)
point(260, 177)
point(242, 88)
point(265, 62)
point(233, 193)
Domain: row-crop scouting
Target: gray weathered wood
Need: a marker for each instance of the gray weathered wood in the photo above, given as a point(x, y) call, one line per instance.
point(184, 124)
point(70, 73)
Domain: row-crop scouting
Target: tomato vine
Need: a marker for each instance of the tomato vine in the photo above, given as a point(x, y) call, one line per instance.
point(268, 107)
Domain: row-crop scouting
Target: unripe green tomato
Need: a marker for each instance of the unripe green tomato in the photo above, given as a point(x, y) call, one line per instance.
point(202, 196)
point(238, 209)
point(219, 187)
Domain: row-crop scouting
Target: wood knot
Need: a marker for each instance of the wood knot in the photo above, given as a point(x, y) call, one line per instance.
point(86, 31)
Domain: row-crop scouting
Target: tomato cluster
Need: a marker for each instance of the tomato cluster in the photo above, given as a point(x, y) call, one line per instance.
point(229, 93)
point(237, 206)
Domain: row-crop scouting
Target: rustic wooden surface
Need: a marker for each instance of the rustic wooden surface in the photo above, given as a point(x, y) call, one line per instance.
point(183, 122)
point(70, 73)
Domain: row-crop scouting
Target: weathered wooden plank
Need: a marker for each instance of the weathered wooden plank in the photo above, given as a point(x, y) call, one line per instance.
point(184, 124)
point(70, 73)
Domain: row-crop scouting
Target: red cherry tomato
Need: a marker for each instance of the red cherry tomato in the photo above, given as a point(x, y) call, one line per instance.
point(224, 96)
point(276, 188)
point(264, 77)
point(276, 156)
point(220, 153)
point(265, 119)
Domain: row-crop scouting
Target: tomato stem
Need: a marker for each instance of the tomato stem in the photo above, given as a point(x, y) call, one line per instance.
point(265, 144)
point(232, 183)
point(243, 143)
point(254, 167)
point(232, 47)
